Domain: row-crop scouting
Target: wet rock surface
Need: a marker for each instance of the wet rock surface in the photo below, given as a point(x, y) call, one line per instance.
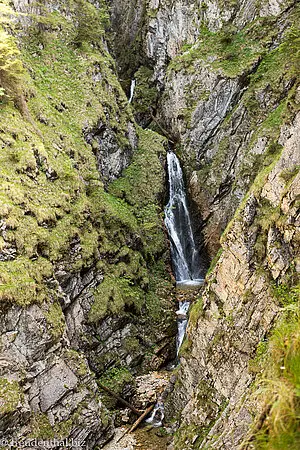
point(206, 107)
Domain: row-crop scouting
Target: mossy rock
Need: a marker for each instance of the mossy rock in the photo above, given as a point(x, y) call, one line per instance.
point(11, 396)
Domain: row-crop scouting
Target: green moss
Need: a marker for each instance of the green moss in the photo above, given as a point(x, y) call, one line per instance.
point(205, 398)
point(131, 344)
point(185, 347)
point(143, 188)
point(41, 427)
point(256, 364)
point(278, 386)
point(255, 189)
point(145, 94)
point(10, 396)
point(52, 199)
point(115, 379)
point(286, 294)
point(49, 178)
point(76, 361)
point(23, 281)
point(158, 302)
point(196, 312)
point(234, 51)
point(112, 295)
point(289, 174)
point(186, 435)
point(237, 51)
point(214, 261)
point(56, 320)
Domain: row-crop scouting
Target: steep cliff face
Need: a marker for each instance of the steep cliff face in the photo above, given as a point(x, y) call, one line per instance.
point(84, 285)
point(243, 297)
point(226, 76)
point(83, 255)
point(226, 73)
point(231, 90)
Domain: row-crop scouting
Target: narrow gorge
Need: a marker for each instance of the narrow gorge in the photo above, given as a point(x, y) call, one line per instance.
point(149, 224)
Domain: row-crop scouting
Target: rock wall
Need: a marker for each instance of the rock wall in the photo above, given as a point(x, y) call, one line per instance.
point(83, 254)
point(84, 285)
point(226, 74)
point(238, 308)
point(223, 74)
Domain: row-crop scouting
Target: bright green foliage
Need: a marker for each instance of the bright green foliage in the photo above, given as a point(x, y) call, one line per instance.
point(22, 280)
point(132, 206)
point(52, 198)
point(41, 427)
point(76, 362)
point(145, 94)
point(246, 55)
point(215, 261)
point(142, 189)
point(49, 179)
point(287, 295)
point(112, 295)
point(236, 51)
point(196, 312)
point(233, 51)
point(91, 21)
point(81, 20)
point(11, 68)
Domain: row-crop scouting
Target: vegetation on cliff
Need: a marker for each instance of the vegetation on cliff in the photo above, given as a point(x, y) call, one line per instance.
point(52, 195)
point(61, 106)
point(67, 133)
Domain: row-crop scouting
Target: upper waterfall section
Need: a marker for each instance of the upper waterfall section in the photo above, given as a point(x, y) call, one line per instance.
point(185, 255)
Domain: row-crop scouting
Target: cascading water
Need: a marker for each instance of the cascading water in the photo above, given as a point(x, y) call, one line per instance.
point(132, 88)
point(185, 255)
point(158, 414)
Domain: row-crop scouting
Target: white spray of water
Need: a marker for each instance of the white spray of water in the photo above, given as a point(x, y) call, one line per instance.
point(132, 88)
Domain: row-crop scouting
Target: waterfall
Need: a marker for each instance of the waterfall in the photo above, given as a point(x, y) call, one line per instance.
point(132, 88)
point(181, 323)
point(158, 414)
point(185, 255)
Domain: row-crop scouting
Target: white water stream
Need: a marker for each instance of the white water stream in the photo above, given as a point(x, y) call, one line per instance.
point(158, 414)
point(184, 252)
point(132, 88)
point(185, 256)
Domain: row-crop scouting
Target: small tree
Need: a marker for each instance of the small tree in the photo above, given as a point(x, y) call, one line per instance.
point(91, 22)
